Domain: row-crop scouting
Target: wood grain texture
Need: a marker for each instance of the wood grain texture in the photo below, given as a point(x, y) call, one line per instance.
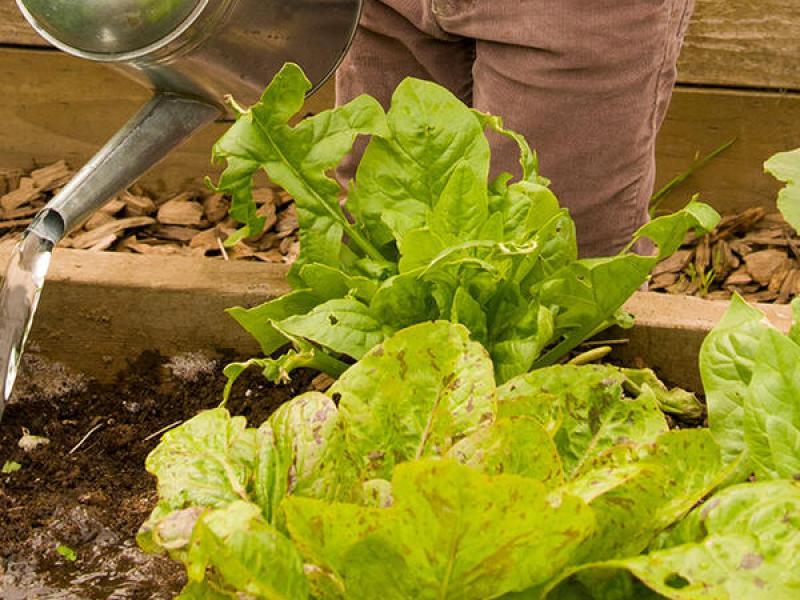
point(743, 43)
point(54, 106)
point(701, 120)
point(738, 43)
point(101, 309)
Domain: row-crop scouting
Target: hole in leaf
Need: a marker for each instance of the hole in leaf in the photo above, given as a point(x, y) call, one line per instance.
point(333, 320)
point(676, 581)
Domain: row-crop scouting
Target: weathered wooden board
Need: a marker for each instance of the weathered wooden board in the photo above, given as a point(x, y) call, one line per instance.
point(739, 43)
point(54, 106)
point(101, 310)
point(701, 120)
point(743, 43)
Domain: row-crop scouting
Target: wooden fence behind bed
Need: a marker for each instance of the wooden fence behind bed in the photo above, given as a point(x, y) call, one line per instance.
point(739, 77)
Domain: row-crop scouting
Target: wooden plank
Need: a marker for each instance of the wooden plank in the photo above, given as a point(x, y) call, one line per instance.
point(101, 309)
point(701, 120)
point(55, 106)
point(739, 43)
point(743, 43)
point(14, 29)
point(669, 331)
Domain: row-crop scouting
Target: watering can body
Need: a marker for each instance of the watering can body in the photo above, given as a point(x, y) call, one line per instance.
point(191, 53)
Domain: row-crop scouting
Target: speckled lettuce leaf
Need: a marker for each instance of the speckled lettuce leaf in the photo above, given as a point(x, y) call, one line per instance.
point(246, 554)
point(727, 361)
point(207, 461)
point(292, 445)
point(514, 446)
point(785, 167)
point(451, 533)
point(594, 415)
point(414, 396)
point(772, 409)
point(744, 542)
point(298, 159)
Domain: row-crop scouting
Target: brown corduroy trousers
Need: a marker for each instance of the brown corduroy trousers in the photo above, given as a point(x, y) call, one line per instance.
point(587, 82)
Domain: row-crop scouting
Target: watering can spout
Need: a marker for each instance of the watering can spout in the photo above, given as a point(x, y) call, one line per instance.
point(163, 123)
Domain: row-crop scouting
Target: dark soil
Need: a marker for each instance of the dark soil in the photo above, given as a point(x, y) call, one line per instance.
point(94, 499)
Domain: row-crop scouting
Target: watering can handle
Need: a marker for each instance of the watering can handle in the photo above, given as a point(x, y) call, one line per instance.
point(162, 124)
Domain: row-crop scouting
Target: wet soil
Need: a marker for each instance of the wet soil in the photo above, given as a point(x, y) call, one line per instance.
point(92, 499)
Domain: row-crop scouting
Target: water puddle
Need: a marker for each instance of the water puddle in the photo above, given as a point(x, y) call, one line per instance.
point(19, 297)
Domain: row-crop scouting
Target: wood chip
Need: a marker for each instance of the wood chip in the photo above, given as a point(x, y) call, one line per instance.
point(674, 264)
point(90, 238)
point(206, 241)
point(175, 233)
point(112, 207)
point(664, 280)
point(761, 265)
point(779, 276)
point(9, 180)
point(180, 212)
point(98, 219)
point(287, 222)
point(52, 176)
point(104, 243)
point(265, 196)
point(15, 223)
point(788, 288)
point(739, 277)
point(762, 296)
point(215, 208)
point(137, 206)
point(702, 257)
point(25, 193)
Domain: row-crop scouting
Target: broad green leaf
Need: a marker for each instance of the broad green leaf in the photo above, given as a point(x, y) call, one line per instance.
point(416, 395)
point(676, 402)
point(668, 231)
point(467, 311)
point(514, 446)
point(727, 359)
point(596, 413)
point(785, 167)
point(247, 554)
point(462, 209)
point(202, 590)
point(404, 300)
point(298, 159)
point(291, 447)
point(402, 175)
point(344, 325)
point(747, 546)
point(258, 321)
point(772, 409)
point(432, 543)
point(329, 283)
point(207, 461)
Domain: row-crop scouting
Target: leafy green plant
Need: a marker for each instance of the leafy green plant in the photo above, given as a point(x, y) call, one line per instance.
point(416, 476)
point(424, 236)
point(750, 374)
point(785, 167)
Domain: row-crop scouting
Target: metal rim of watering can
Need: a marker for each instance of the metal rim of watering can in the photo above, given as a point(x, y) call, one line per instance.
point(129, 55)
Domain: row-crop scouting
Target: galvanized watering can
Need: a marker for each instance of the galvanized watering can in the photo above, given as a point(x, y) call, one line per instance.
point(191, 53)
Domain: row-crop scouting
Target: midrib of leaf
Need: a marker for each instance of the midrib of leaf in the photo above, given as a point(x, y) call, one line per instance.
point(352, 232)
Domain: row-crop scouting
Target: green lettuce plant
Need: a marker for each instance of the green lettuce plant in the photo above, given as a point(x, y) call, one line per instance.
point(425, 235)
point(416, 476)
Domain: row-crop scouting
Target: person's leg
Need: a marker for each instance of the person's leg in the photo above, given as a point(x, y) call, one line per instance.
point(398, 39)
point(588, 84)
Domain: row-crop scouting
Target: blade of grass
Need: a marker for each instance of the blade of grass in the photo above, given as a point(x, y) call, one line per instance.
point(665, 191)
